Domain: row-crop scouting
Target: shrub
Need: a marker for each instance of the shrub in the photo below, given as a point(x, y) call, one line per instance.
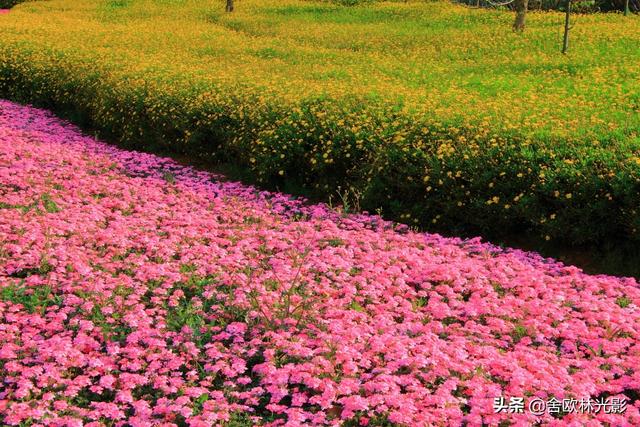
point(8, 4)
point(351, 2)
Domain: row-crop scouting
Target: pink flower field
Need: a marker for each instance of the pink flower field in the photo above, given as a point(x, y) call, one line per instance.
point(135, 291)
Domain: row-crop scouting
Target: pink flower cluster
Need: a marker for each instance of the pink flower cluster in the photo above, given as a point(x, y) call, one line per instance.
point(135, 291)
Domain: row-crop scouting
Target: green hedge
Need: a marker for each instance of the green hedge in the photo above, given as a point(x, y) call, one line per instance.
point(8, 4)
point(450, 177)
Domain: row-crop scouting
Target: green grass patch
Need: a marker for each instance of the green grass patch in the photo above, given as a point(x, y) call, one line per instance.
point(34, 299)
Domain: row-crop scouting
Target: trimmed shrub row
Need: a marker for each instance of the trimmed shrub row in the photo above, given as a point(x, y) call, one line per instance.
point(8, 4)
point(454, 177)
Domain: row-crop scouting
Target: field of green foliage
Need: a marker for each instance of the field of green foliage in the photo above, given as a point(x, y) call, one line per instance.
point(433, 113)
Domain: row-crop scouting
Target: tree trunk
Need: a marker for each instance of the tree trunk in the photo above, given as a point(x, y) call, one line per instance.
point(626, 7)
point(521, 14)
point(229, 7)
point(567, 19)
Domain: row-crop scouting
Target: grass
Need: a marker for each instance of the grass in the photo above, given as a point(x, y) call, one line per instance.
point(436, 114)
point(36, 299)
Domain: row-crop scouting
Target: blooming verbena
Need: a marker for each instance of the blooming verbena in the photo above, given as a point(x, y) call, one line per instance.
point(135, 291)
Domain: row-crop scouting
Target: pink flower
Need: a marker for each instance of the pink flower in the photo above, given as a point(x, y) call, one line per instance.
point(154, 300)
